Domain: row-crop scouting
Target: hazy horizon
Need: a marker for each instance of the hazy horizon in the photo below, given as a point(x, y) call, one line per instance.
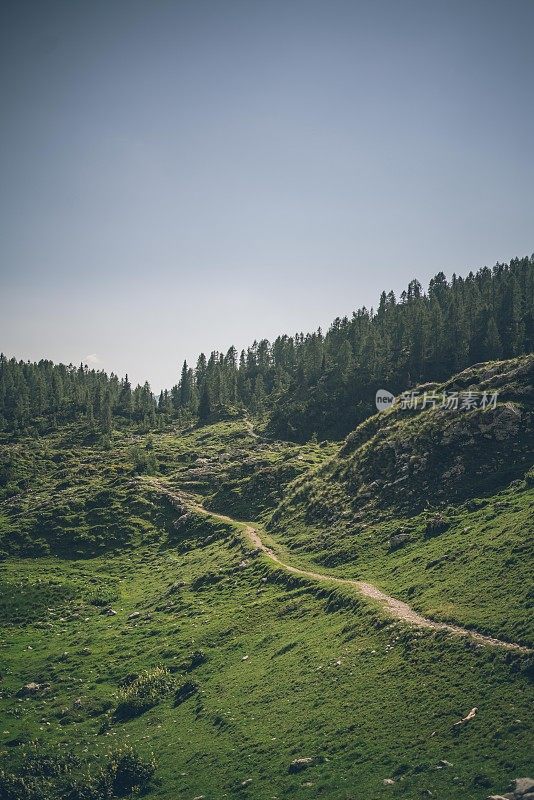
point(179, 177)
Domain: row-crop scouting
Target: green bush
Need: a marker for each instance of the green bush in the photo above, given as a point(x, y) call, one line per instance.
point(126, 772)
point(144, 692)
point(14, 787)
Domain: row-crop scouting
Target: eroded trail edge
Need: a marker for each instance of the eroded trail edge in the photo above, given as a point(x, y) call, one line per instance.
point(396, 608)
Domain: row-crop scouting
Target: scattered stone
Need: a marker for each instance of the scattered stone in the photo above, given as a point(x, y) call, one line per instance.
point(197, 658)
point(179, 523)
point(245, 658)
point(109, 612)
point(299, 764)
point(436, 562)
point(246, 782)
point(134, 615)
point(398, 540)
point(174, 587)
point(444, 763)
point(243, 564)
point(467, 717)
point(31, 689)
point(388, 782)
point(436, 525)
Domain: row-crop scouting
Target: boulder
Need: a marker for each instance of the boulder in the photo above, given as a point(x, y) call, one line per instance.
point(179, 523)
point(522, 786)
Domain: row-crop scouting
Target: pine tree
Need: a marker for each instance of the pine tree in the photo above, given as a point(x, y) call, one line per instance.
point(106, 418)
point(492, 346)
point(125, 398)
point(204, 406)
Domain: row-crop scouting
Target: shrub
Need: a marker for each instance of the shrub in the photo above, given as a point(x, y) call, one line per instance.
point(50, 765)
point(126, 772)
point(14, 787)
point(144, 692)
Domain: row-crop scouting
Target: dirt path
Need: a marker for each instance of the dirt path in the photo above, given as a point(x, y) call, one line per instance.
point(396, 608)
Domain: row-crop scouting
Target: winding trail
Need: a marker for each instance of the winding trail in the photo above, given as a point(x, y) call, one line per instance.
point(396, 608)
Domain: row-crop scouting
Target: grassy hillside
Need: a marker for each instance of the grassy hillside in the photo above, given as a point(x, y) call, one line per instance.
point(262, 670)
point(432, 505)
point(145, 645)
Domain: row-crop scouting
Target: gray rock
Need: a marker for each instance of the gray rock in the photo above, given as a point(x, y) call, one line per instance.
point(521, 789)
point(398, 540)
point(436, 525)
point(31, 689)
point(134, 615)
point(299, 764)
point(522, 786)
point(179, 523)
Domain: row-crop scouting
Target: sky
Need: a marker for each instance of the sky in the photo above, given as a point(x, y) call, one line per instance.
point(178, 177)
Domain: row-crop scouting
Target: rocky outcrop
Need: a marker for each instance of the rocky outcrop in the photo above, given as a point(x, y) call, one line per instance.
point(520, 789)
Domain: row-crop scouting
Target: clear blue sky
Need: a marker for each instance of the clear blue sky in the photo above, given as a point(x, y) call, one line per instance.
point(180, 176)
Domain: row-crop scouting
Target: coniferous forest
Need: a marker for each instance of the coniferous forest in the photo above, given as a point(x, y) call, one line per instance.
point(315, 384)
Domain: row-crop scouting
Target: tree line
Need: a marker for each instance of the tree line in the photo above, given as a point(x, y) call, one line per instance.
point(55, 393)
point(315, 384)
